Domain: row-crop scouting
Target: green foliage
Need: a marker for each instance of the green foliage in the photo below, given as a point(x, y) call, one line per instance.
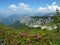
point(28, 36)
point(18, 25)
point(57, 20)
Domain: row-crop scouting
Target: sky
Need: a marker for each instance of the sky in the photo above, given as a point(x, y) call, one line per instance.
point(13, 6)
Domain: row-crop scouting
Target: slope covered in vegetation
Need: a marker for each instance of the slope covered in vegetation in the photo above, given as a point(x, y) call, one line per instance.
point(28, 36)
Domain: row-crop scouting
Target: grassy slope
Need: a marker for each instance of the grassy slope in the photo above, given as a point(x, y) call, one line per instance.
point(18, 25)
point(26, 36)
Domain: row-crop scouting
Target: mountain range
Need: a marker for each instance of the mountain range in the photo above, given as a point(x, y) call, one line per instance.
point(16, 17)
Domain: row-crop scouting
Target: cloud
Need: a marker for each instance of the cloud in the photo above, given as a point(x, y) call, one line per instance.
point(54, 3)
point(21, 6)
point(41, 9)
point(49, 8)
point(25, 7)
point(13, 7)
point(52, 7)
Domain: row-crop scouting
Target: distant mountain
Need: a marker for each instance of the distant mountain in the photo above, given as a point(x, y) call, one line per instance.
point(33, 20)
point(21, 22)
point(15, 17)
point(2, 17)
point(11, 19)
point(44, 14)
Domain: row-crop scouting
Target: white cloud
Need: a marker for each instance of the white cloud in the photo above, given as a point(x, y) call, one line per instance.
point(21, 6)
point(48, 8)
point(54, 3)
point(53, 7)
point(41, 9)
point(13, 7)
point(24, 7)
